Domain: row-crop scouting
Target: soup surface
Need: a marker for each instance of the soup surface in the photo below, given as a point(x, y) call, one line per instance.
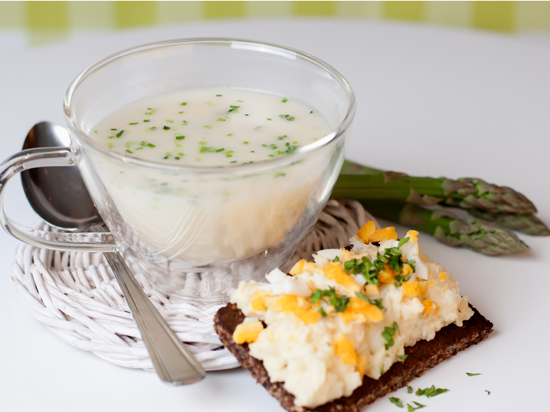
point(208, 127)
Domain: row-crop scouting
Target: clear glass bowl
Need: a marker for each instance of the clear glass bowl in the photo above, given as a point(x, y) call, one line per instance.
point(247, 219)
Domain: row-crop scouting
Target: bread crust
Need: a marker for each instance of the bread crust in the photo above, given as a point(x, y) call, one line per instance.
point(422, 356)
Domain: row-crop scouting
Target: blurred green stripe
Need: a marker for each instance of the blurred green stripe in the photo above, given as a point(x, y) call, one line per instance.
point(224, 9)
point(12, 15)
point(314, 8)
point(52, 18)
point(494, 15)
point(405, 10)
point(135, 13)
point(47, 15)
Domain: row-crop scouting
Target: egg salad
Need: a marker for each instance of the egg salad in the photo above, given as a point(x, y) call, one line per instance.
point(324, 326)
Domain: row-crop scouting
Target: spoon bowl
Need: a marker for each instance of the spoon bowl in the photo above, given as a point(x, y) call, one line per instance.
point(57, 194)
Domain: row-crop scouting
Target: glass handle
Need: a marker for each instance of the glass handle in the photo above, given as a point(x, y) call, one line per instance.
point(80, 241)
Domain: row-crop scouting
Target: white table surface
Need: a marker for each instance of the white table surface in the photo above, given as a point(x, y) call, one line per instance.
point(431, 101)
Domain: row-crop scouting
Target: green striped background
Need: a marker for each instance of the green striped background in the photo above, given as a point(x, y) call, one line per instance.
point(47, 21)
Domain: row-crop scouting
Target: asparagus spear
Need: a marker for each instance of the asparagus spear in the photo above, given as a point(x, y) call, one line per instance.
point(525, 223)
point(528, 224)
point(475, 234)
point(467, 193)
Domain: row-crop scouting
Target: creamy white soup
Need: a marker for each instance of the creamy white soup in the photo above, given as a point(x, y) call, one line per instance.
point(205, 218)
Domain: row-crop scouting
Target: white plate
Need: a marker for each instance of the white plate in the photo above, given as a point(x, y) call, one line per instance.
point(430, 101)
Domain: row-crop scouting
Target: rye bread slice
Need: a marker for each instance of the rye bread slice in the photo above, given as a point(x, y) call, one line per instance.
point(421, 357)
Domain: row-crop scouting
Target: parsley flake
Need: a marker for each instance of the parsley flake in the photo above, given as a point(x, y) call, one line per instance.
point(388, 336)
point(396, 402)
point(287, 117)
point(431, 391)
point(472, 374)
point(340, 303)
point(410, 408)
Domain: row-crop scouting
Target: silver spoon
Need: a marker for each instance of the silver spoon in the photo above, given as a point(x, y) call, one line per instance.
point(58, 195)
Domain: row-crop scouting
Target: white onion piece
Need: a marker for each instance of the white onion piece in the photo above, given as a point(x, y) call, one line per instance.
point(276, 275)
point(292, 287)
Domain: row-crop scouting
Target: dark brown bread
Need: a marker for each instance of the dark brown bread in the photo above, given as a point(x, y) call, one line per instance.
point(422, 356)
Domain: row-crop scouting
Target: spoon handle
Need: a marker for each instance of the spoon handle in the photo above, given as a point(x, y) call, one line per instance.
point(174, 363)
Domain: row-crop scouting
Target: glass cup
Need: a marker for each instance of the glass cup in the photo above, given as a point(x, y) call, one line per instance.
point(238, 220)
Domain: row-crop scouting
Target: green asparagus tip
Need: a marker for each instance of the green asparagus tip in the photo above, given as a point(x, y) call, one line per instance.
point(528, 224)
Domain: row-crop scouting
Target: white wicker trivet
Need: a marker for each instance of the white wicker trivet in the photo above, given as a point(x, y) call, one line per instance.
point(76, 296)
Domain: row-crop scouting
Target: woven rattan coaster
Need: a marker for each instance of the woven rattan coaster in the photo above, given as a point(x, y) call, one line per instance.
point(76, 296)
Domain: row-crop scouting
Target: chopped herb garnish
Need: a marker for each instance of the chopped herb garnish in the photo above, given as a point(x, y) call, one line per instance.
point(230, 134)
point(388, 335)
point(472, 374)
point(177, 158)
point(151, 145)
point(284, 100)
point(218, 95)
point(410, 408)
point(150, 112)
point(183, 104)
point(376, 302)
point(207, 127)
point(284, 136)
point(409, 389)
point(131, 124)
point(430, 392)
point(287, 117)
point(119, 133)
point(169, 121)
point(311, 112)
point(488, 392)
point(152, 128)
point(402, 357)
point(246, 115)
point(165, 128)
point(396, 402)
point(233, 109)
point(268, 119)
point(336, 259)
point(234, 161)
point(245, 142)
point(220, 150)
point(403, 241)
point(340, 303)
point(180, 112)
point(184, 122)
point(220, 119)
point(209, 104)
point(146, 121)
point(180, 137)
point(323, 313)
point(113, 129)
point(363, 267)
point(139, 148)
point(129, 151)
